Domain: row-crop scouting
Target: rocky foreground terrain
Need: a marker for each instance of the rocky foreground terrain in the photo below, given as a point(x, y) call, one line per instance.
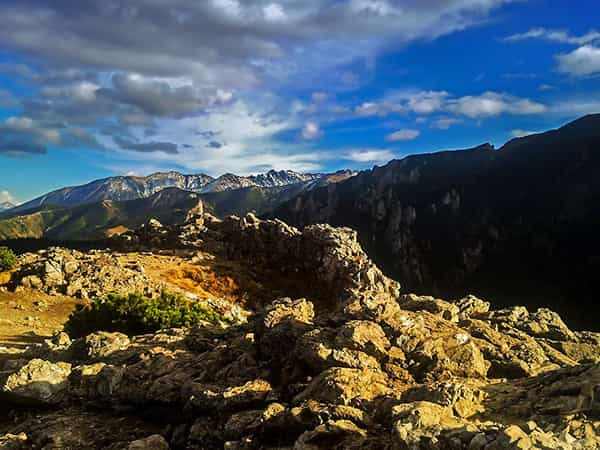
point(343, 360)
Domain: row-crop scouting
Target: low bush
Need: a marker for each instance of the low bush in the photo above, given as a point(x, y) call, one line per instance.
point(8, 259)
point(135, 314)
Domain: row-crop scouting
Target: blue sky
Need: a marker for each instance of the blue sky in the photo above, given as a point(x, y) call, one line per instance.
point(106, 88)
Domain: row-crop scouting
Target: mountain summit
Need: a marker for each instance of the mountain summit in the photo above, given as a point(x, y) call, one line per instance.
point(123, 188)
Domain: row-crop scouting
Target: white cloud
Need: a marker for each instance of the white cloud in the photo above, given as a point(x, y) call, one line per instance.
point(561, 36)
point(311, 131)
point(403, 135)
point(521, 133)
point(369, 155)
point(368, 109)
point(487, 104)
point(6, 196)
point(580, 62)
point(427, 102)
point(274, 12)
point(444, 123)
point(246, 134)
point(228, 7)
point(491, 104)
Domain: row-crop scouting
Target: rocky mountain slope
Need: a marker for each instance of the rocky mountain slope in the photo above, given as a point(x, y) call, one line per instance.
point(96, 220)
point(263, 200)
point(101, 219)
point(229, 181)
point(118, 189)
point(347, 361)
point(513, 223)
point(125, 188)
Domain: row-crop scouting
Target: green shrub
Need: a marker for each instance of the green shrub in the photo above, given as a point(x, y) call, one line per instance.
point(135, 314)
point(8, 259)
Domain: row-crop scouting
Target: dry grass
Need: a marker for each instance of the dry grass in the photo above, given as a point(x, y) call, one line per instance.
point(30, 316)
point(119, 229)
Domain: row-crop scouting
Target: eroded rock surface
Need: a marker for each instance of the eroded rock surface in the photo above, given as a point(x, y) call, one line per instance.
point(356, 367)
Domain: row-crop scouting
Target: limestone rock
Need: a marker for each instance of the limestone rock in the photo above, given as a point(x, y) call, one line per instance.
point(154, 442)
point(38, 382)
point(341, 386)
point(99, 345)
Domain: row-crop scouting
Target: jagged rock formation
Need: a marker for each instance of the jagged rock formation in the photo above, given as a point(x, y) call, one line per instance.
point(358, 366)
point(512, 224)
point(82, 275)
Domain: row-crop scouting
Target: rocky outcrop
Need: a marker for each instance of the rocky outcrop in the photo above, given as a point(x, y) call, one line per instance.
point(329, 257)
point(304, 379)
point(83, 275)
point(359, 366)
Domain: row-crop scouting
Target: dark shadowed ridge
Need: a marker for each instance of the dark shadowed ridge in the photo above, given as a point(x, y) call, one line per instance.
point(517, 224)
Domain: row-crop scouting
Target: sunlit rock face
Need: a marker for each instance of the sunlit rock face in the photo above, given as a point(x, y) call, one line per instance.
point(355, 364)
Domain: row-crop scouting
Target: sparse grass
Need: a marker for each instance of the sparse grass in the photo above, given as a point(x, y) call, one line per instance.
point(135, 314)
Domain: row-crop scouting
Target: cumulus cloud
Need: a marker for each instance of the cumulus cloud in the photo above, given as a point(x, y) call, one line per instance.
point(369, 155)
point(146, 147)
point(403, 135)
point(426, 102)
point(161, 73)
point(491, 104)
point(161, 98)
point(561, 36)
point(223, 42)
point(444, 123)
point(6, 196)
point(487, 104)
point(311, 131)
point(25, 136)
point(582, 61)
point(274, 12)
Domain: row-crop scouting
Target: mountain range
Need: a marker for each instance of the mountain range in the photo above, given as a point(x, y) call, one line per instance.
point(123, 188)
point(5, 206)
point(93, 221)
point(103, 207)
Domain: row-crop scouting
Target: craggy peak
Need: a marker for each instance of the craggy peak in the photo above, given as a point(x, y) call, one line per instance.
point(299, 225)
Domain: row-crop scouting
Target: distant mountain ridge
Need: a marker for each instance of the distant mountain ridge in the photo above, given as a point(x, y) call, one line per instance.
point(123, 188)
point(5, 206)
point(92, 221)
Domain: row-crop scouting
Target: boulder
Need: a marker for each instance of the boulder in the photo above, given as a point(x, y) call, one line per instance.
point(38, 382)
point(154, 442)
point(99, 345)
point(341, 386)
